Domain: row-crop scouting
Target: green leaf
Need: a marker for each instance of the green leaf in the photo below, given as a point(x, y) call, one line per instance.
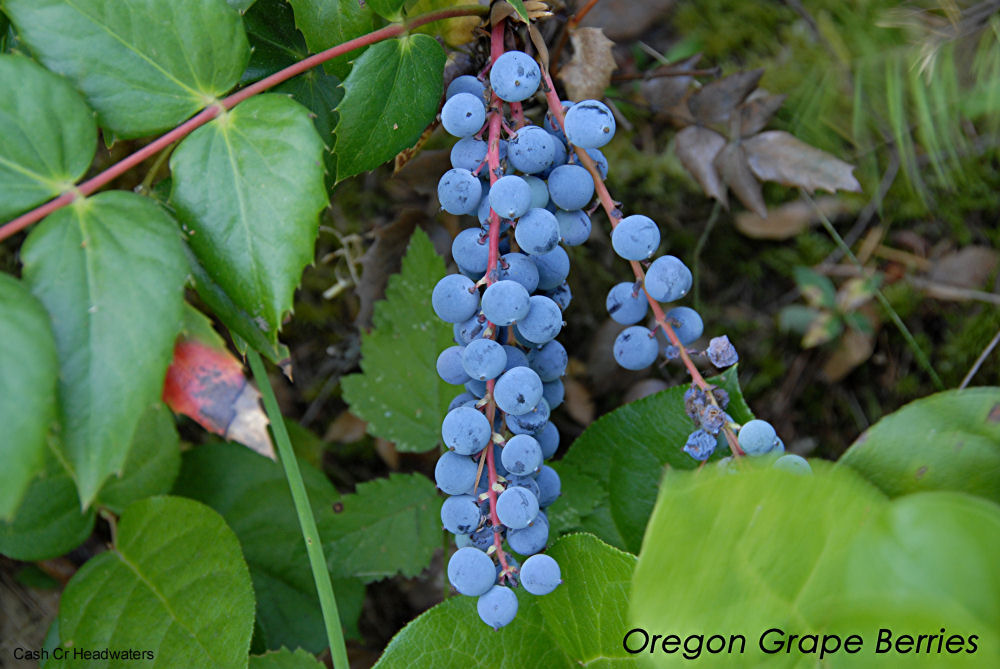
point(399, 392)
point(47, 135)
point(239, 322)
point(948, 441)
point(285, 659)
point(327, 23)
point(144, 65)
point(49, 522)
point(743, 551)
point(624, 454)
point(518, 6)
point(275, 42)
point(110, 271)
point(797, 318)
point(27, 390)
point(153, 461)
point(249, 188)
point(240, 5)
point(251, 493)
point(175, 585)
point(817, 289)
point(405, 507)
point(579, 624)
point(392, 95)
point(391, 10)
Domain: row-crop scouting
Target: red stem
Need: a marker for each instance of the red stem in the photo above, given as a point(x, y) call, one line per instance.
point(210, 112)
point(615, 216)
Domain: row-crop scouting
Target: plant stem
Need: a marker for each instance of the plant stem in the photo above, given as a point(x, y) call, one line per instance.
point(699, 247)
point(213, 110)
point(310, 534)
point(918, 352)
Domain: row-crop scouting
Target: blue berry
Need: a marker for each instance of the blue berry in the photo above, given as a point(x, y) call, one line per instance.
point(561, 295)
point(449, 366)
point(466, 84)
point(521, 455)
point(515, 357)
point(686, 322)
point(668, 279)
point(571, 187)
point(627, 303)
point(468, 154)
point(548, 439)
point(700, 445)
point(515, 76)
point(471, 251)
point(471, 571)
point(463, 115)
point(484, 359)
point(721, 352)
point(531, 539)
point(516, 507)
point(505, 302)
point(635, 237)
point(459, 191)
point(539, 191)
point(518, 391)
point(466, 430)
point(531, 150)
point(543, 320)
point(795, 464)
point(540, 574)
point(520, 268)
point(635, 348)
point(549, 486)
point(460, 514)
point(498, 607)
point(553, 392)
point(590, 124)
point(553, 268)
point(549, 361)
point(509, 196)
point(455, 474)
point(757, 437)
point(574, 226)
point(455, 299)
point(537, 231)
point(530, 421)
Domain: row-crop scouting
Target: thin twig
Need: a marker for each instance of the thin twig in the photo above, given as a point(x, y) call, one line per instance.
point(979, 361)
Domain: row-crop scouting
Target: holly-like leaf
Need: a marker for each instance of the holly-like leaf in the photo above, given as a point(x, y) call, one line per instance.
point(174, 585)
point(47, 135)
point(153, 461)
point(391, 10)
point(778, 156)
point(110, 270)
point(326, 23)
point(251, 493)
point(717, 100)
point(144, 65)
point(249, 188)
point(393, 93)
point(623, 455)
point(28, 388)
point(403, 509)
point(588, 73)
point(732, 166)
point(275, 42)
point(285, 659)
point(948, 441)
point(579, 624)
point(399, 392)
point(697, 148)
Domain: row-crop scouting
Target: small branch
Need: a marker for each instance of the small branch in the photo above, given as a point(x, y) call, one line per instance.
point(979, 361)
point(207, 114)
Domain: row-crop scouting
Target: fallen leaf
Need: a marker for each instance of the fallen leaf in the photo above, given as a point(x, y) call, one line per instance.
point(853, 348)
point(382, 259)
point(970, 267)
point(588, 74)
point(346, 429)
point(644, 388)
point(625, 20)
point(757, 111)
point(778, 156)
point(731, 164)
point(717, 100)
point(789, 219)
point(697, 148)
point(387, 451)
point(825, 328)
point(579, 404)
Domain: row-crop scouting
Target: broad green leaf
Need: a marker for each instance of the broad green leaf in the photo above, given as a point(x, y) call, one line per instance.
point(110, 270)
point(285, 659)
point(741, 553)
point(275, 42)
point(49, 522)
point(174, 585)
point(624, 454)
point(47, 134)
point(392, 94)
point(248, 188)
point(327, 23)
point(948, 441)
point(251, 493)
point(238, 321)
point(144, 65)
point(153, 461)
point(402, 510)
point(580, 623)
point(455, 32)
point(241, 5)
point(927, 562)
point(399, 392)
point(27, 390)
point(388, 9)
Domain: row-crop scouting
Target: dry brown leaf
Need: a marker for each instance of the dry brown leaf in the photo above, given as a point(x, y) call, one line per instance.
point(970, 267)
point(625, 20)
point(346, 429)
point(579, 404)
point(731, 164)
point(789, 219)
point(778, 156)
point(382, 259)
point(588, 74)
point(853, 348)
point(757, 111)
point(697, 149)
point(644, 388)
point(666, 95)
point(387, 451)
point(716, 101)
